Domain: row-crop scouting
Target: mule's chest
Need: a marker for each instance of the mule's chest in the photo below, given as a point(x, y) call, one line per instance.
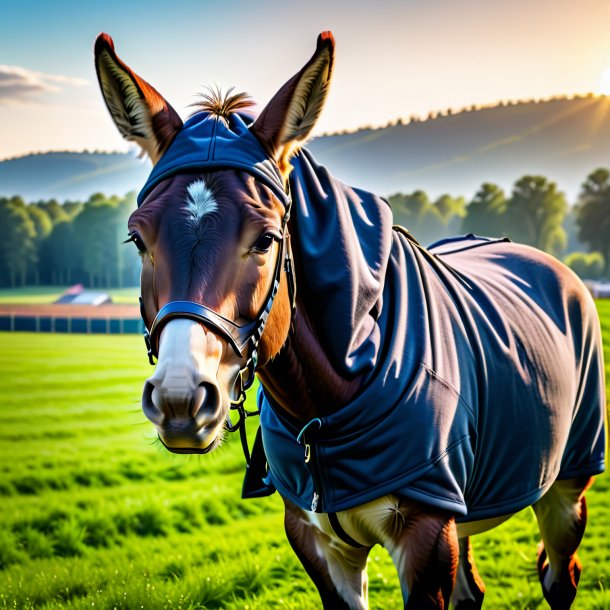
point(376, 522)
point(382, 521)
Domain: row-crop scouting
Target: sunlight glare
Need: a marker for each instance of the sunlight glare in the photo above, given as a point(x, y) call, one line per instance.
point(604, 84)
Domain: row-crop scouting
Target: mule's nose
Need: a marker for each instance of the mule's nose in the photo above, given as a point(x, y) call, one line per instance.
point(182, 397)
point(176, 404)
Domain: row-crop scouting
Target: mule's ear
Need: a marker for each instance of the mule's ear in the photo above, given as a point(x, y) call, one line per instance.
point(140, 113)
point(289, 117)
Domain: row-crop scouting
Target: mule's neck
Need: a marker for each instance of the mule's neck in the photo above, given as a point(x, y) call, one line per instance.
point(301, 379)
point(346, 237)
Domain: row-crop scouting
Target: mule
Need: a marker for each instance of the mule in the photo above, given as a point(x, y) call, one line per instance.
point(409, 397)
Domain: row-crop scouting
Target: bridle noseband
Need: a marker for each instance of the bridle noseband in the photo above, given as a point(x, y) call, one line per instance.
point(243, 339)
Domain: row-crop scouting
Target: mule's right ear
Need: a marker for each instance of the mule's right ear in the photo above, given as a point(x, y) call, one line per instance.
point(140, 113)
point(287, 120)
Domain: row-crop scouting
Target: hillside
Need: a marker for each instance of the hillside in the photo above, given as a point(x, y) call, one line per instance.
point(71, 175)
point(563, 139)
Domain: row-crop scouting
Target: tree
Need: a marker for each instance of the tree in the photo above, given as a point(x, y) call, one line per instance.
point(128, 264)
point(415, 212)
point(409, 208)
point(99, 229)
point(452, 211)
point(54, 210)
point(484, 214)
point(72, 208)
point(593, 214)
point(587, 265)
point(42, 228)
point(535, 213)
point(65, 243)
point(17, 234)
point(570, 224)
point(61, 254)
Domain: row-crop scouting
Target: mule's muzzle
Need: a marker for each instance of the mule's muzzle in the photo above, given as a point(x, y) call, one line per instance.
point(184, 440)
point(187, 421)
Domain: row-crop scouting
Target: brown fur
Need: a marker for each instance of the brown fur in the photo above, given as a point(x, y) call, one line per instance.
point(305, 539)
point(301, 378)
point(213, 267)
point(562, 519)
point(468, 596)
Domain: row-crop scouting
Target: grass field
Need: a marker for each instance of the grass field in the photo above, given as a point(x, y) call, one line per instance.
point(94, 514)
point(38, 295)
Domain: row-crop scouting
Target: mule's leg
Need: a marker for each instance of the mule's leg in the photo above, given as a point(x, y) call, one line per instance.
point(425, 553)
point(337, 570)
point(562, 517)
point(469, 588)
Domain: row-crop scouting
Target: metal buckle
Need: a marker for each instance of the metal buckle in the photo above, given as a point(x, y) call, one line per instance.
point(149, 348)
point(242, 414)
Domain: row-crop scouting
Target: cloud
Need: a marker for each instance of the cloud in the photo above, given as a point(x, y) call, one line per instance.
point(19, 85)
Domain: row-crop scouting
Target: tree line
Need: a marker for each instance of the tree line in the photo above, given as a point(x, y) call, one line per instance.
point(534, 213)
point(46, 242)
point(447, 112)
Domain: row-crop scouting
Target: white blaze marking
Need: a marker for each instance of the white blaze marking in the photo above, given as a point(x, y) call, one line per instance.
point(187, 357)
point(181, 360)
point(200, 201)
point(181, 349)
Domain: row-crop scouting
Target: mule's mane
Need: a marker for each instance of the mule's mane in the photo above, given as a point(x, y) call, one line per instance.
point(220, 104)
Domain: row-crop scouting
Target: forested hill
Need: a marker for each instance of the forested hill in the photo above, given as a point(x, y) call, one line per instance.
point(71, 175)
point(562, 139)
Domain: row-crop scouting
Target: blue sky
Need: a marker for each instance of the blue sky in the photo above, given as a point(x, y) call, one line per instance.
point(394, 59)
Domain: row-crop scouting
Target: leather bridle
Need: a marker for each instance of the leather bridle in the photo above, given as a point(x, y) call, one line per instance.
point(243, 339)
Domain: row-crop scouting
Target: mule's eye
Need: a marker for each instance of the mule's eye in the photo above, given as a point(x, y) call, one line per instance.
point(264, 242)
point(137, 240)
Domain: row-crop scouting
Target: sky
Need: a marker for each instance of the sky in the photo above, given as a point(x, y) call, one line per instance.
point(394, 59)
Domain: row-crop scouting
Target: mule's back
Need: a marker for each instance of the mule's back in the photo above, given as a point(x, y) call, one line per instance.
point(538, 389)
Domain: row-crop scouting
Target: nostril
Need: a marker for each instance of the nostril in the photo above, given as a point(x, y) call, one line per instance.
point(148, 404)
point(205, 399)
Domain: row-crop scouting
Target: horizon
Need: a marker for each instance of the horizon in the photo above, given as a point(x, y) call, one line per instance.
point(432, 115)
point(427, 58)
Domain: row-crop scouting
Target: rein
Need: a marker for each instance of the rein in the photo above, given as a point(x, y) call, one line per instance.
point(243, 339)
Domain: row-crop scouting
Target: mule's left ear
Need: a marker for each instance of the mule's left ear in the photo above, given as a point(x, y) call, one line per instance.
point(289, 117)
point(139, 111)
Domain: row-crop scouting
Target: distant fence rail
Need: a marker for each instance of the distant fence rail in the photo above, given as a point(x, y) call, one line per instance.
point(45, 324)
point(107, 319)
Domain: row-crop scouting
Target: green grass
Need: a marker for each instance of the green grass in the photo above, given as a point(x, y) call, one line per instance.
point(42, 295)
point(128, 296)
point(94, 514)
point(31, 295)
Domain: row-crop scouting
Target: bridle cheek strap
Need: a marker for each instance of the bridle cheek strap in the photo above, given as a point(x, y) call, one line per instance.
point(243, 339)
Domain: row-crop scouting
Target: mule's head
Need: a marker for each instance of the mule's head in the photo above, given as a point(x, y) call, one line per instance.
point(210, 228)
